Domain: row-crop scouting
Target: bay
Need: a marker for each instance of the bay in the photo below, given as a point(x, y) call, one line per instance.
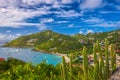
point(29, 55)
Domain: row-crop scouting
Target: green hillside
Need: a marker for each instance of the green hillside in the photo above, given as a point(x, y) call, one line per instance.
point(48, 41)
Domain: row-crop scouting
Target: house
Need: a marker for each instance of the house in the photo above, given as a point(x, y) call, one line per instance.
point(117, 51)
point(2, 59)
point(31, 40)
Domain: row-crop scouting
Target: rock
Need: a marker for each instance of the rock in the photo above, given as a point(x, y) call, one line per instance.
point(115, 74)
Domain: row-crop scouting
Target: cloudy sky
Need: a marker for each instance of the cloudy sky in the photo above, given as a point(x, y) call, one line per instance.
point(23, 17)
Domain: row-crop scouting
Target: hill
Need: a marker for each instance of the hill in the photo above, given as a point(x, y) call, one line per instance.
point(49, 41)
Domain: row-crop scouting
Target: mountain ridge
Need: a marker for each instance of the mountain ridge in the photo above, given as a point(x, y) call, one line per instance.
point(49, 41)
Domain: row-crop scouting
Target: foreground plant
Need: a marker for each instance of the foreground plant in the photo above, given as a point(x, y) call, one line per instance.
point(104, 64)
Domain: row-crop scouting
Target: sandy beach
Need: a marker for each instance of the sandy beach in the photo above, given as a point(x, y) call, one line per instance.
point(67, 59)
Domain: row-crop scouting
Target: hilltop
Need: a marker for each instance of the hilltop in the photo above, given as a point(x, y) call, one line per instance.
point(49, 41)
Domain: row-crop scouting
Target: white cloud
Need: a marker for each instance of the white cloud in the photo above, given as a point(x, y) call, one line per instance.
point(9, 3)
point(108, 24)
point(34, 2)
point(90, 4)
point(46, 20)
point(42, 27)
point(13, 13)
point(56, 5)
point(8, 31)
point(70, 26)
point(11, 17)
point(66, 1)
point(59, 22)
point(19, 24)
point(8, 36)
point(1, 36)
point(105, 25)
point(80, 32)
point(89, 31)
point(108, 12)
point(43, 21)
point(18, 34)
point(68, 14)
point(29, 2)
point(93, 20)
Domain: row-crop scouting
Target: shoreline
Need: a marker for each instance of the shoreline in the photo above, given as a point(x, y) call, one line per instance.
point(67, 59)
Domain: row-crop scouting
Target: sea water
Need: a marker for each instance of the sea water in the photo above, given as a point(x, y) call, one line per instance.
point(29, 55)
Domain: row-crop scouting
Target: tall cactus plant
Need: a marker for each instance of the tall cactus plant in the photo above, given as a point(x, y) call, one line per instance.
point(85, 63)
point(101, 69)
point(113, 57)
point(100, 59)
point(71, 67)
point(51, 75)
point(96, 62)
point(65, 77)
point(107, 57)
point(94, 53)
point(114, 62)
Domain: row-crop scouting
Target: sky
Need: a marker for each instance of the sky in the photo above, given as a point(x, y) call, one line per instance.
point(24, 17)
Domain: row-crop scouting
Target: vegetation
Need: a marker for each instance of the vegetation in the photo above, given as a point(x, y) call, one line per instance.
point(104, 64)
point(14, 69)
point(48, 41)
point(101, 70)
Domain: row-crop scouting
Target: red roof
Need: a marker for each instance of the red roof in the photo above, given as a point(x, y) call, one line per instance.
point(117, 51)
point(2, 59)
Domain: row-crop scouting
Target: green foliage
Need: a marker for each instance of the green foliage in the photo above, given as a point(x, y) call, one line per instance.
point(98, 71)
point(48, 41)
point(13, 69)
point(26, 71)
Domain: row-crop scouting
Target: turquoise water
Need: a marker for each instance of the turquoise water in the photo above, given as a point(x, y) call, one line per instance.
point(28, 55)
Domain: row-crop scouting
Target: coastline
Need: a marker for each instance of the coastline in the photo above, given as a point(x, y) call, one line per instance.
point(67, 59)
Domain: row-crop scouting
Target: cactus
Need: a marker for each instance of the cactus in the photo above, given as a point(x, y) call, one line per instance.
point(51, 75)
point(61, 69)
point(71, 71)
point(101, 67)
point(114, 61)
point(96, 62)
point(64, 69)
point(94, 53)
point(113, 57)
point(78, 76)
point(100, 59)
point(85, 63)
point(54, 77)
point(95, 71)
point(101, 70)
point(107, 58)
